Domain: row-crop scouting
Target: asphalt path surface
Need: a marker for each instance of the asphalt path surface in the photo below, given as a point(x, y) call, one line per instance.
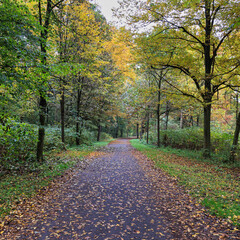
point(113, 198)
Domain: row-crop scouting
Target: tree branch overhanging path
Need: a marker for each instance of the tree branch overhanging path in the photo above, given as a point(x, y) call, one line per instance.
point(118, 196)
point(191, 38)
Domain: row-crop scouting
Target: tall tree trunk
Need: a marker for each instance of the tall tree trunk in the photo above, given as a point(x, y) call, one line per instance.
point(117, 128)
point(158, 110)
point(41, 130)
point(137, 130)
point(148, 117)
point(78, 117)
point(191, 121)
point(99, 132)
point(79, 98)
point(43, 100)
point(142, 130)
point(121, 131)
point(166, 123)
point(62, 105)
point(207, 131)
point(167, 115)
point(207, 96)
point(237, 107)
point(197, 120)
point(235, 140)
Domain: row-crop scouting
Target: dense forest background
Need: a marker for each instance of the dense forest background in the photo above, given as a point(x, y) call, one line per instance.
point(68, 77)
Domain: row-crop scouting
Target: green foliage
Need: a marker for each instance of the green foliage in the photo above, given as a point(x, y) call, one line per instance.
point(17, 144)
point(106, 136)
point(215, 187)
point(192, 138)
point(87, 137)
point(18, 43)
point(53, 139)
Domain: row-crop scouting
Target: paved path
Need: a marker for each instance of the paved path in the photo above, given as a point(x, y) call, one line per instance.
point(111, 199)
point(116, 197)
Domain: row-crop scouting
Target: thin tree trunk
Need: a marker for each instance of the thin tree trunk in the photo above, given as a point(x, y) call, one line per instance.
point(117, 128)
point(41, 130)
point(99, 132)
point(137, 130)
point(197, 120)
point(121, 132)
point(235, 140)
point(148, 127)
point(78, 117)
point(191, 120)
point(62, 105)
point(43, 100)
point(142, 130)
point(167, 115)
point(158, 111)
point(237, 107)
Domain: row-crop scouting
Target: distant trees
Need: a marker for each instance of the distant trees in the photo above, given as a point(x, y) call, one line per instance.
point(195, 39)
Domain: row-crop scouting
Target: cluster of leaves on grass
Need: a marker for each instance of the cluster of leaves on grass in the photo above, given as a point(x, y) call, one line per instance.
point(15, 187)
point(215, 187)
point(193, 139)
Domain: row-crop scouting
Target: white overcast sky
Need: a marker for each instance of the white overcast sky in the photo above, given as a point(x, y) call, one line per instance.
point(106, 6)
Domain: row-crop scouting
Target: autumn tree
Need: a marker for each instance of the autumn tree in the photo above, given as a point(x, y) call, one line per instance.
point(194, 38)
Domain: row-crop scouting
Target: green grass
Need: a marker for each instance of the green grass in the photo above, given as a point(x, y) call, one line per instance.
point(215, 187)
point(14, 187)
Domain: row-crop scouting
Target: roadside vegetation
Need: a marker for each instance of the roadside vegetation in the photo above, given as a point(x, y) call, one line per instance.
point(17, 186)
point(214, 185)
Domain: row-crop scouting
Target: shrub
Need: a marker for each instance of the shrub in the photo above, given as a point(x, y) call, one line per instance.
point(105, 136)
point(193, 138)
point(53, 139)
point(17, 144)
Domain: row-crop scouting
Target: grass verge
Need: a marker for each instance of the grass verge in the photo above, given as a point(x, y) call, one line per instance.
point(17, 186)
point(215, 187)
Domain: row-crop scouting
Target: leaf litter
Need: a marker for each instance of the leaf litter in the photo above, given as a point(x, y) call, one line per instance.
point(118, 194)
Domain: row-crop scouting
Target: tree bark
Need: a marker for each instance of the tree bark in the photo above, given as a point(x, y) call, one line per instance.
point(43, 100)
point(167, 115)
point(41, 130)
point(232, 157)
point(62, 105)
point(197, 120)
point(207, 131)
point(148, 119)
point(117, 128)
point(158, 110)
point(137, 130)
point(78, 117)
point(121, 131)
point(208, 88)
point(99, 132)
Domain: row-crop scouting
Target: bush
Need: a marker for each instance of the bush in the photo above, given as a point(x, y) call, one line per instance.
point(17, 144)
point(52, 139)
point(105, 136)
point(193, 138)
